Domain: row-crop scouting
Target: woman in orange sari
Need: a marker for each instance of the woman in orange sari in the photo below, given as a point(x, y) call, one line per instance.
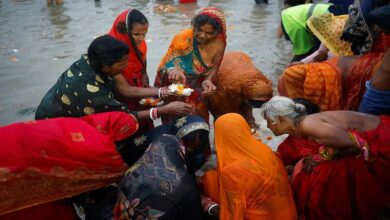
point(194, 55)
point(338, 83)
point(252, 181)
point(48, 160)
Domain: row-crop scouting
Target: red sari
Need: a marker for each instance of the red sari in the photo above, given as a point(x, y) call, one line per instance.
point(349, 187)
point(294, 149)
point(135, 67)
point(47, 160)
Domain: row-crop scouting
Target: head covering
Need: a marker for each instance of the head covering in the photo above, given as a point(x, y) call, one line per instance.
point(356, 29)
point(120, 30)
point(381, 17)
point(157, 184)
point(252, 180)
point(328, 29)
point(234, 141)
point(185, 125)
point(116, 125)
point(218, 15)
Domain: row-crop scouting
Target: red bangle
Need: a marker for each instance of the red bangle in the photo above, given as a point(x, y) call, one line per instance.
point(154, 114)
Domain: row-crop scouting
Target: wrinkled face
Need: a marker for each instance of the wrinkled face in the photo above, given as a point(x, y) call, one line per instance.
point(205, 33)
point(278, 126)
point(138, 32)
point(118, 67)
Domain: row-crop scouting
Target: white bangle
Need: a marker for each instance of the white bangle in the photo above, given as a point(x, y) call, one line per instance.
point(159, 93)
point(151, 114)
point(212, 206)
point(205, 81)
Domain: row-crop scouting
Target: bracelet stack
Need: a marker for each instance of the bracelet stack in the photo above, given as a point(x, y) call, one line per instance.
point(153, 114)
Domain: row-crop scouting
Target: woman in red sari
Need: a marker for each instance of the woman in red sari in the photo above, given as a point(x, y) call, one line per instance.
point(130, 27)
point(350, 187)
point(48, 160)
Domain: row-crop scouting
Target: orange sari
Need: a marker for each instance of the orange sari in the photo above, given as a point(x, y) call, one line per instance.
point(322, 83)
point(253, 183)
point(318, 82)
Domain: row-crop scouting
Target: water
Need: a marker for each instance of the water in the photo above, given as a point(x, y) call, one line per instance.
point(38, 42)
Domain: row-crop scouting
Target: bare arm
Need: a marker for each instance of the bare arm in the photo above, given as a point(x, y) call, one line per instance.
point(322, 132)
point(130, 91)
point(381, 78)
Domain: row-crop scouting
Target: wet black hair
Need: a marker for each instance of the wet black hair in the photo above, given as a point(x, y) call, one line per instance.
point(134, 17)
point(311, 108)
point(105, 50)
point(198, 156)
point(202, 19)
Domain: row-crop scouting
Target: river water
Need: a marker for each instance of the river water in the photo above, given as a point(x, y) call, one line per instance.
point(38, 42)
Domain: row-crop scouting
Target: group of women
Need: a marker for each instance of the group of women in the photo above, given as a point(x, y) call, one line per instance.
point(94, 146)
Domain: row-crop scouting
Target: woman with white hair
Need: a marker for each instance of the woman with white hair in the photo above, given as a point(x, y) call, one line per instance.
point(349, 187)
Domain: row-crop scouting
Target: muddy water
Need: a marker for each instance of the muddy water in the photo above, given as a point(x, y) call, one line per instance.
point(38, 42)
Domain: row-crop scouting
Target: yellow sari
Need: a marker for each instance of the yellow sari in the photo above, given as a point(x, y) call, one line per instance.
point(253, 183)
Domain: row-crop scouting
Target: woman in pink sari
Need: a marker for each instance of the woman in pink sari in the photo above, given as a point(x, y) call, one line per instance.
point(48, 160)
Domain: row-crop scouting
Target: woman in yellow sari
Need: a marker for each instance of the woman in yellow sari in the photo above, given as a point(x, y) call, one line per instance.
point(195, 54)
point(253, 183)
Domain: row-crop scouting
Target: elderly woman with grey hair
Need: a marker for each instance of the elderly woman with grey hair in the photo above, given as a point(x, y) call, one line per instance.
point(355, 181)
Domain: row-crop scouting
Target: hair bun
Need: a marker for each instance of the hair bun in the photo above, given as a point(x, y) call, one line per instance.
point(299, 108)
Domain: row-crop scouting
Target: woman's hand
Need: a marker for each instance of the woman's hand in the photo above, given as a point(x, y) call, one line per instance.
point(145, 80)
point(175, 75)
point(208, 87)
point(175, 108)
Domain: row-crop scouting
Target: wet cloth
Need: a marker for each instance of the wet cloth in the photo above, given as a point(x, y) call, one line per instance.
point(328, 29)
point(294, 23)
point(320, 83)
point(237, 81)
point(375, 101)
point(183, 53)
point(356, 29)
point(349, 187)
point(253, 183)
point(46, 160)
point(159, 186)
point(78, 92)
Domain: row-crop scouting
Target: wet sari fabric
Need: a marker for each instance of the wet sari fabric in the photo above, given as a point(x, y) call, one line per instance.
point(350, 187)
point(48, 160)
point(253, 183)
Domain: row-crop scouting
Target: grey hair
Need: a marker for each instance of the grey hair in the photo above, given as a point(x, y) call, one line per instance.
point(283, 106)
